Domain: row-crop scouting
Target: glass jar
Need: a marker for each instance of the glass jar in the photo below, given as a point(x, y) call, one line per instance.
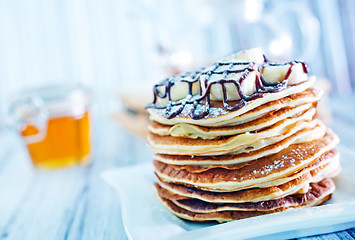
point(55, 125)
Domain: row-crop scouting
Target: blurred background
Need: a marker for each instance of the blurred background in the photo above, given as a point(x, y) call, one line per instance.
point(117, 49)
point(114, 47)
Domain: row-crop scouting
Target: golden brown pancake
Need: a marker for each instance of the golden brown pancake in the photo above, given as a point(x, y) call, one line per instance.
point(255, 194)
point(228, 144)
point(316, 191)
point(249, 153)
point(218, 116)
point(270, 168)
point(224, 216)
point(275, 118)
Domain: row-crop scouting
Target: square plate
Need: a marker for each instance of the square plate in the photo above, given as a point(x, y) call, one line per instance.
point(144, 216)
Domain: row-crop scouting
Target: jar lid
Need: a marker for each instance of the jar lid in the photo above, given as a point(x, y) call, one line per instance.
point(61, 98)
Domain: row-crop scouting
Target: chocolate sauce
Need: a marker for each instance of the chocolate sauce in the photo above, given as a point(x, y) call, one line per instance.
point(201, 103)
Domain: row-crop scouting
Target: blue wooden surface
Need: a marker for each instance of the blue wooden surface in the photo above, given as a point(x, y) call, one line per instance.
point(76, 203)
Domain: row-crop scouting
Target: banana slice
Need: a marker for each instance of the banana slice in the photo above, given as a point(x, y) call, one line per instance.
point(242, 68)
point(248, 86)
point(179, 90)
point(277, 73)
point(255, 55)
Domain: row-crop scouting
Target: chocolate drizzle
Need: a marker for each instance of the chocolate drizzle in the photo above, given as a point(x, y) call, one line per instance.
point(289, 71)
point(201, 103)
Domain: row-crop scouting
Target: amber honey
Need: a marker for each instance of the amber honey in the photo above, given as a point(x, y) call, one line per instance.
point(54, 122)
point(65, 143)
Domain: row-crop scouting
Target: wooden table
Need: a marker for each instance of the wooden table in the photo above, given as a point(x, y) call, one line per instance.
point(75, 203)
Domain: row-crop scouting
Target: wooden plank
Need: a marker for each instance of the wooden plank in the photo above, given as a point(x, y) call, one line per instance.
point(35, 204)
point(99, 215)
point(46, 209)
point(16, 178)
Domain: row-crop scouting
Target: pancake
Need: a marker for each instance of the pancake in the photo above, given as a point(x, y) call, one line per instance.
point(286, 115)
point(255, 194)
point(225, 216)
point(330, 157)
point(225, 181)
point(218, 116)
point(248, 153)
point(223, 145)
point(260, 171)
point(316, 191)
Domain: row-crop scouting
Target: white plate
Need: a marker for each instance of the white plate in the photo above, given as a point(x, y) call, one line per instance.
point(144, 217)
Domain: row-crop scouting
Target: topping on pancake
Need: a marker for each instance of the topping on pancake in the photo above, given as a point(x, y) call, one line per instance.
point(235, 81)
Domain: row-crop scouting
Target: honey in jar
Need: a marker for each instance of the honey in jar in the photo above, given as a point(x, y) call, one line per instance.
point(55, 125)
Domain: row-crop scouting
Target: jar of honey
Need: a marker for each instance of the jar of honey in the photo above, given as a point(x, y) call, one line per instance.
point(55, 125)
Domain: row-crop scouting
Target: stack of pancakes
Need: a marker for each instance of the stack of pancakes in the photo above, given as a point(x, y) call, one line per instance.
point(254, 147)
